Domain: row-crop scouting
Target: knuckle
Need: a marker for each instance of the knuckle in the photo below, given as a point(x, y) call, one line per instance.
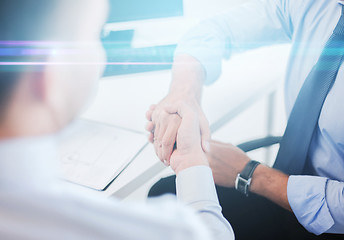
point(152, 107)
point(154, 118)
point(156, 114)
point(164, 116)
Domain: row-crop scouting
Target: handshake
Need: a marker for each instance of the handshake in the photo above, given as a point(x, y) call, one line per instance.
point(180, 133)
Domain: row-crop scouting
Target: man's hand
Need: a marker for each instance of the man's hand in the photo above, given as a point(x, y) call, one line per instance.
point(226, 161)
point(188, 76)
point(163, 126)
point(188, 152)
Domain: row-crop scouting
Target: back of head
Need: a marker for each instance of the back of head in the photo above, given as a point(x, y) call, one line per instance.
point(23, 24)
point(58, 40)
point(25, 20)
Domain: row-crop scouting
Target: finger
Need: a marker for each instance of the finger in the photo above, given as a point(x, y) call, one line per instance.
point(205, 133)
point(159, 126)
point(156, 148)
point(155, 140)
point(159, 152)
point(149, 126)
point(149, 115)
point(152, 107)
point(150, 111)
point(151, 137)
point(164, 122)
point(154, 115)
point(169, 138)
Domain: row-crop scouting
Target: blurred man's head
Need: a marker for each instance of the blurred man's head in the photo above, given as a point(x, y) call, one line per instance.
point(50, 59)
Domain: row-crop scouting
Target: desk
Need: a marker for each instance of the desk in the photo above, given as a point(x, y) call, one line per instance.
point(123, 101)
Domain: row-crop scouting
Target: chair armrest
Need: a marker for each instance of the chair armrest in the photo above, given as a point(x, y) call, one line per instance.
point(259, 143)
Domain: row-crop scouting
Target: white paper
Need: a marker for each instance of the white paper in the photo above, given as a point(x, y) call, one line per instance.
point(93, 154)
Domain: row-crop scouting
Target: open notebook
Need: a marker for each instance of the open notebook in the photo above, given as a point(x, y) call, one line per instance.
point(93, 154)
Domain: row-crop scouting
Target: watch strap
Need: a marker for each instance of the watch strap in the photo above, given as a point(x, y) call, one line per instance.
point(243, 180)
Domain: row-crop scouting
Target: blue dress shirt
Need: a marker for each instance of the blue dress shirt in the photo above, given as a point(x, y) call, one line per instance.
point(318, 199)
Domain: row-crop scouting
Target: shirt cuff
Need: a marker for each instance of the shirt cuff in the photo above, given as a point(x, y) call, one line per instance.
point(196, 184)
point(307, 198)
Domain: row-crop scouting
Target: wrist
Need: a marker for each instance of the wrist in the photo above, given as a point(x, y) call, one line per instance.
point(188, 76)
point(272, 184)
point(186, 91)
point(184, 96)
point(264, 178)
point(185, 160)
point(244, 178)
point(183, 93)
point(259, 179)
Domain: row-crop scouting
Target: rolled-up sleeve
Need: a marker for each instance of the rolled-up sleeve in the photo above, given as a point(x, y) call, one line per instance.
point(318, 203)
point(251, 25)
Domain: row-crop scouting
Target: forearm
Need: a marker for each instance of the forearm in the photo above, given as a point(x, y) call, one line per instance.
point(188, 76)
point(271, 184)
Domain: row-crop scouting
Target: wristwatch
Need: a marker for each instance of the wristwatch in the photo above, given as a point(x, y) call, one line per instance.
point(243, 179)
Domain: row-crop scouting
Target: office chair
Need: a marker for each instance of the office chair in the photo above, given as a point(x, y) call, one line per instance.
point(259, 143)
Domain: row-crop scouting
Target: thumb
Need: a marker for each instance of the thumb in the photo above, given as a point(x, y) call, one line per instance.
point(205, 134)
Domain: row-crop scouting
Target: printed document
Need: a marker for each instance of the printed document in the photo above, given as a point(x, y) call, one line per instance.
point(93, 154)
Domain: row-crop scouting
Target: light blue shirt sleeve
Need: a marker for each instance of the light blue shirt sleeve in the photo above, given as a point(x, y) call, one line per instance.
point(251, 25)
point(196, 188)
point(318, 203)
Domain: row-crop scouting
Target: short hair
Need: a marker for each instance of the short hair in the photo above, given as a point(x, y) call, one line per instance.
point(23, 24)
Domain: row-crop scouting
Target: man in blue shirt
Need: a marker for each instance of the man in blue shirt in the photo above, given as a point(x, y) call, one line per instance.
point(315, 198)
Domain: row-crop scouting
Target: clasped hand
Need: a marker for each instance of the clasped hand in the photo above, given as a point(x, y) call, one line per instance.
point(176, 135)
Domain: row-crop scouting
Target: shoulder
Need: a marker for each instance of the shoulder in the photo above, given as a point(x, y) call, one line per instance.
point(98, 218)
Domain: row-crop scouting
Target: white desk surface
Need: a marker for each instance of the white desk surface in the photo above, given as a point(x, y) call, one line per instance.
point(123, 101)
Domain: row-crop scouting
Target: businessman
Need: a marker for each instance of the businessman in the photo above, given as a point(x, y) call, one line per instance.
point(302, 196)
point(51, 58)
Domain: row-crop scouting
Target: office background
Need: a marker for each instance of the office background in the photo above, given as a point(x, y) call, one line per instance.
point(242, 105)
point(140, 37)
